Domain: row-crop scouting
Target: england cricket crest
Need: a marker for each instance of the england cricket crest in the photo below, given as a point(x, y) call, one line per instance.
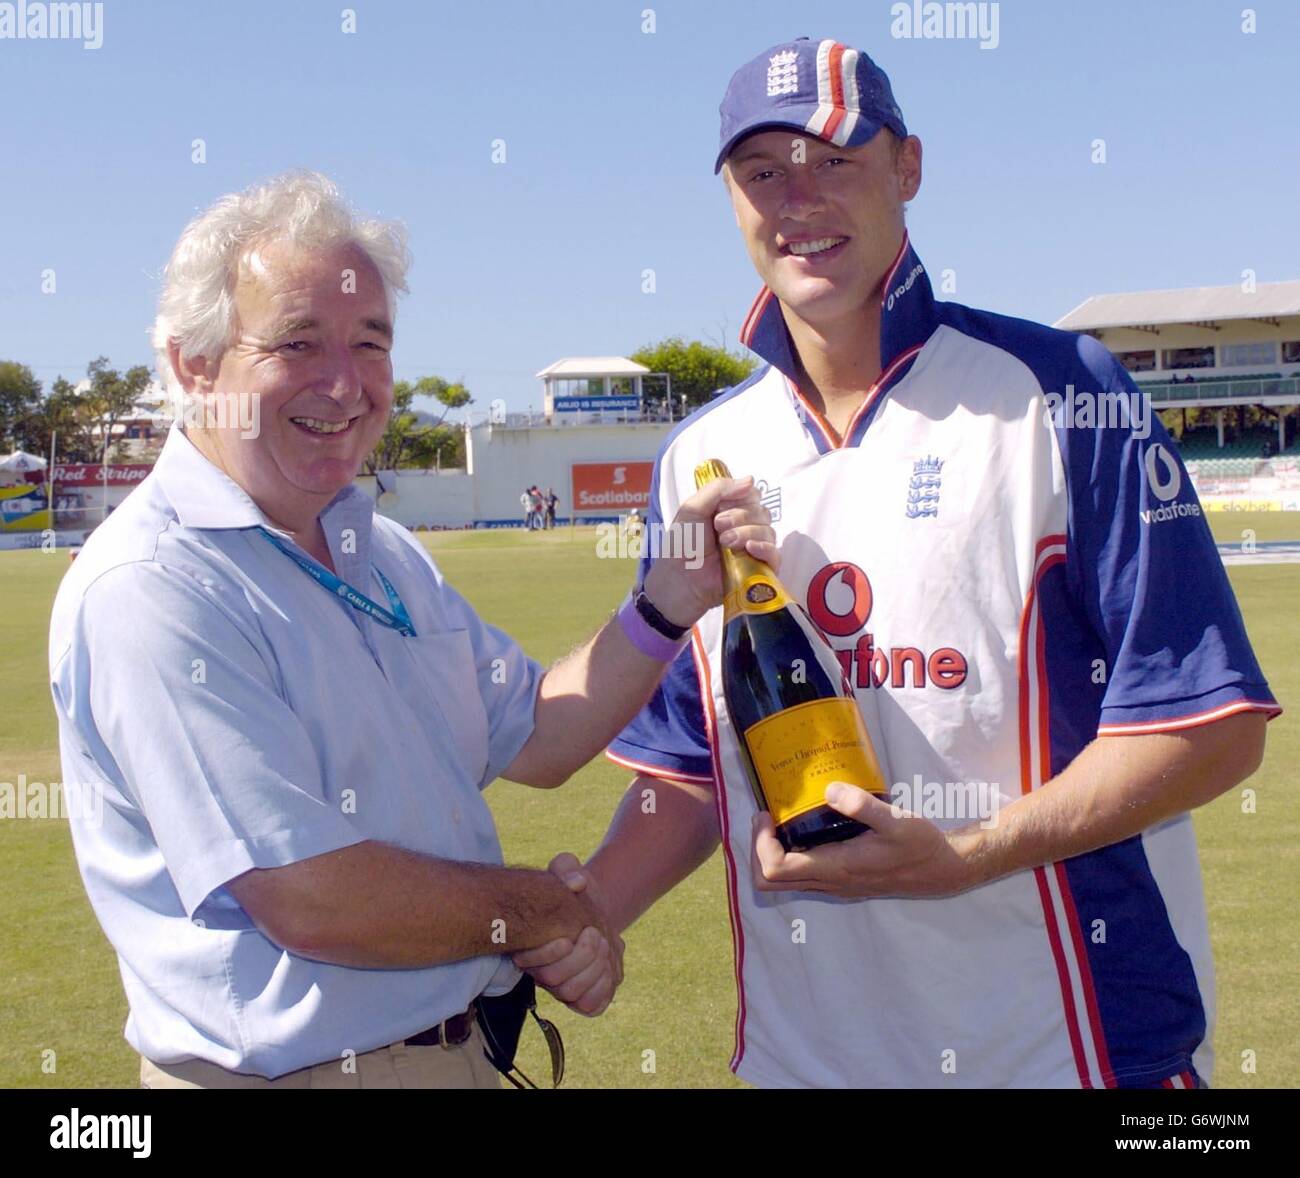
point(783, 73)
point(923, 490)
point(770, 497)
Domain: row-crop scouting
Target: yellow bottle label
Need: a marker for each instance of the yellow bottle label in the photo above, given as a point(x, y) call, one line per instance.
point(798, 752)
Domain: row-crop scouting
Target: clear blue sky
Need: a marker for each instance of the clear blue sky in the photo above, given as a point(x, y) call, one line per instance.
point(610, 135)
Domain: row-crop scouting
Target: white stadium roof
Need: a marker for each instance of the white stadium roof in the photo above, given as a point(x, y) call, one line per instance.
point(577, 366)
point(1195, 304)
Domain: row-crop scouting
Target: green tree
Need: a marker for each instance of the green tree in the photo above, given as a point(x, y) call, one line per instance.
point(452, 395)
point(20, 396)
point(83, 419)
point(410, 443)
point(63, 411)
point(698, 370)
point(112, 397)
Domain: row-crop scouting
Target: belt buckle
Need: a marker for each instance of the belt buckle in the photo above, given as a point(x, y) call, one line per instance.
point(464, 1026)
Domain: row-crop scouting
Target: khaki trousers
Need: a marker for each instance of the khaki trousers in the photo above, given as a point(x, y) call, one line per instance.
point(396, 1066)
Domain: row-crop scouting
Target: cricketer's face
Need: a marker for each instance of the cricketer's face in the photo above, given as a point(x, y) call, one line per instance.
point(822, 223)
point(312, 349)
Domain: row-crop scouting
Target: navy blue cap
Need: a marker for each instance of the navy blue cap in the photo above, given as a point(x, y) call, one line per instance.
point(821, 87)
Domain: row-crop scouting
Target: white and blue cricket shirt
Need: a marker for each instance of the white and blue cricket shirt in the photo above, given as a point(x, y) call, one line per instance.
point(1002, 585)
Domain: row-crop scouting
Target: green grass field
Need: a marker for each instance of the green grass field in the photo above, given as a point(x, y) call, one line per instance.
point(62, 993)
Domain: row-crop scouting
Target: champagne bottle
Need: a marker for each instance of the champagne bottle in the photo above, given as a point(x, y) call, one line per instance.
point(800, 726)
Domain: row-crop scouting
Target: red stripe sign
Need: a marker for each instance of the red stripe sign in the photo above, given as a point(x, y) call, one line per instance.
point(90, 474)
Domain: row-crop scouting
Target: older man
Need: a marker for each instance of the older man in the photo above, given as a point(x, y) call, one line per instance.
point(291, 715)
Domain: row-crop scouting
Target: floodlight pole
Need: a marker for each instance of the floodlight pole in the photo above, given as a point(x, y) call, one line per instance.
point(49, 480)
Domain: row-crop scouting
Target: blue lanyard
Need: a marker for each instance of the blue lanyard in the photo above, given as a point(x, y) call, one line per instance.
point(398, 619)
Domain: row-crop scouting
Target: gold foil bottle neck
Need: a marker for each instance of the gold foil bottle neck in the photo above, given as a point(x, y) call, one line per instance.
point(710, 470)
point(738, 567)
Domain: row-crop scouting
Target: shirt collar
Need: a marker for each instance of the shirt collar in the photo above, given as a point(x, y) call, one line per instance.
point(205, 497)
point(907, 316)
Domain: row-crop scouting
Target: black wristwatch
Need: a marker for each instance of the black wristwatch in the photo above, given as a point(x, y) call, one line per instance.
point(654, 619)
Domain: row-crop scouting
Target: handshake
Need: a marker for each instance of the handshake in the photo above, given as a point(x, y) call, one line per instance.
point(583, 973)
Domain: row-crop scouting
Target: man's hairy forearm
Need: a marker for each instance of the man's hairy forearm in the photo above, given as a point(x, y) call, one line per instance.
point(1116, 788)
point(377, 906)
point(656, 839)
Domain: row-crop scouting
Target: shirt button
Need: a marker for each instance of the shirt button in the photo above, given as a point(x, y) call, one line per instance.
point(455, 815)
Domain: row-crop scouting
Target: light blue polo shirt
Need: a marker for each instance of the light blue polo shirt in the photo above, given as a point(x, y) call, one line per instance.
point(236, 714)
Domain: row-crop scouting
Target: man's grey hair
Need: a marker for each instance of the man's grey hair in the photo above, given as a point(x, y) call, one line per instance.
point(197, 305)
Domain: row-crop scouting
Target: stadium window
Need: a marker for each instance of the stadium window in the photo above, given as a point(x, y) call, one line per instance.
point(1138, 361)
point(1291, 351)
point(1242, 355)
point(1187, 358)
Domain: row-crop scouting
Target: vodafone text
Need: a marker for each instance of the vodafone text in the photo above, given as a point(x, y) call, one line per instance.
point(1165, 478)
point(839, 603)
point(903, 287)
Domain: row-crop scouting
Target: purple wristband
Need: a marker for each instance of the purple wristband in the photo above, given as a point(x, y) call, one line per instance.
point(645, 637)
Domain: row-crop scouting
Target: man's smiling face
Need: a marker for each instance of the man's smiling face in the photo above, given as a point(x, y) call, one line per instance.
point(312, 348)
point(822, 223)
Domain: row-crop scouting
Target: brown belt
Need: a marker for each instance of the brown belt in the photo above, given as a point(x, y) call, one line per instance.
point(451, 1032)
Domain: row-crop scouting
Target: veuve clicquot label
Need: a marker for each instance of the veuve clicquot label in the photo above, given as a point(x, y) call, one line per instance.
point(798, 752)
point(799, 724)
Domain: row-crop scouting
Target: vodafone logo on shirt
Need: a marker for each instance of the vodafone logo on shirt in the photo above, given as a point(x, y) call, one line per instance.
point(1163, 474)
point(839, 603)
point(1165, 480)
point(839, 599)
point(611, 487)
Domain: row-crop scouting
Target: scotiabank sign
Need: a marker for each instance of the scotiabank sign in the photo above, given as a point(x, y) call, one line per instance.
point(611, 488)
point(91, 474)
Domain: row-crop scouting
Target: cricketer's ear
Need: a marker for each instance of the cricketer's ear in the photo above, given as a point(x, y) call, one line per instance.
point(907, 164)
point(727, 184)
